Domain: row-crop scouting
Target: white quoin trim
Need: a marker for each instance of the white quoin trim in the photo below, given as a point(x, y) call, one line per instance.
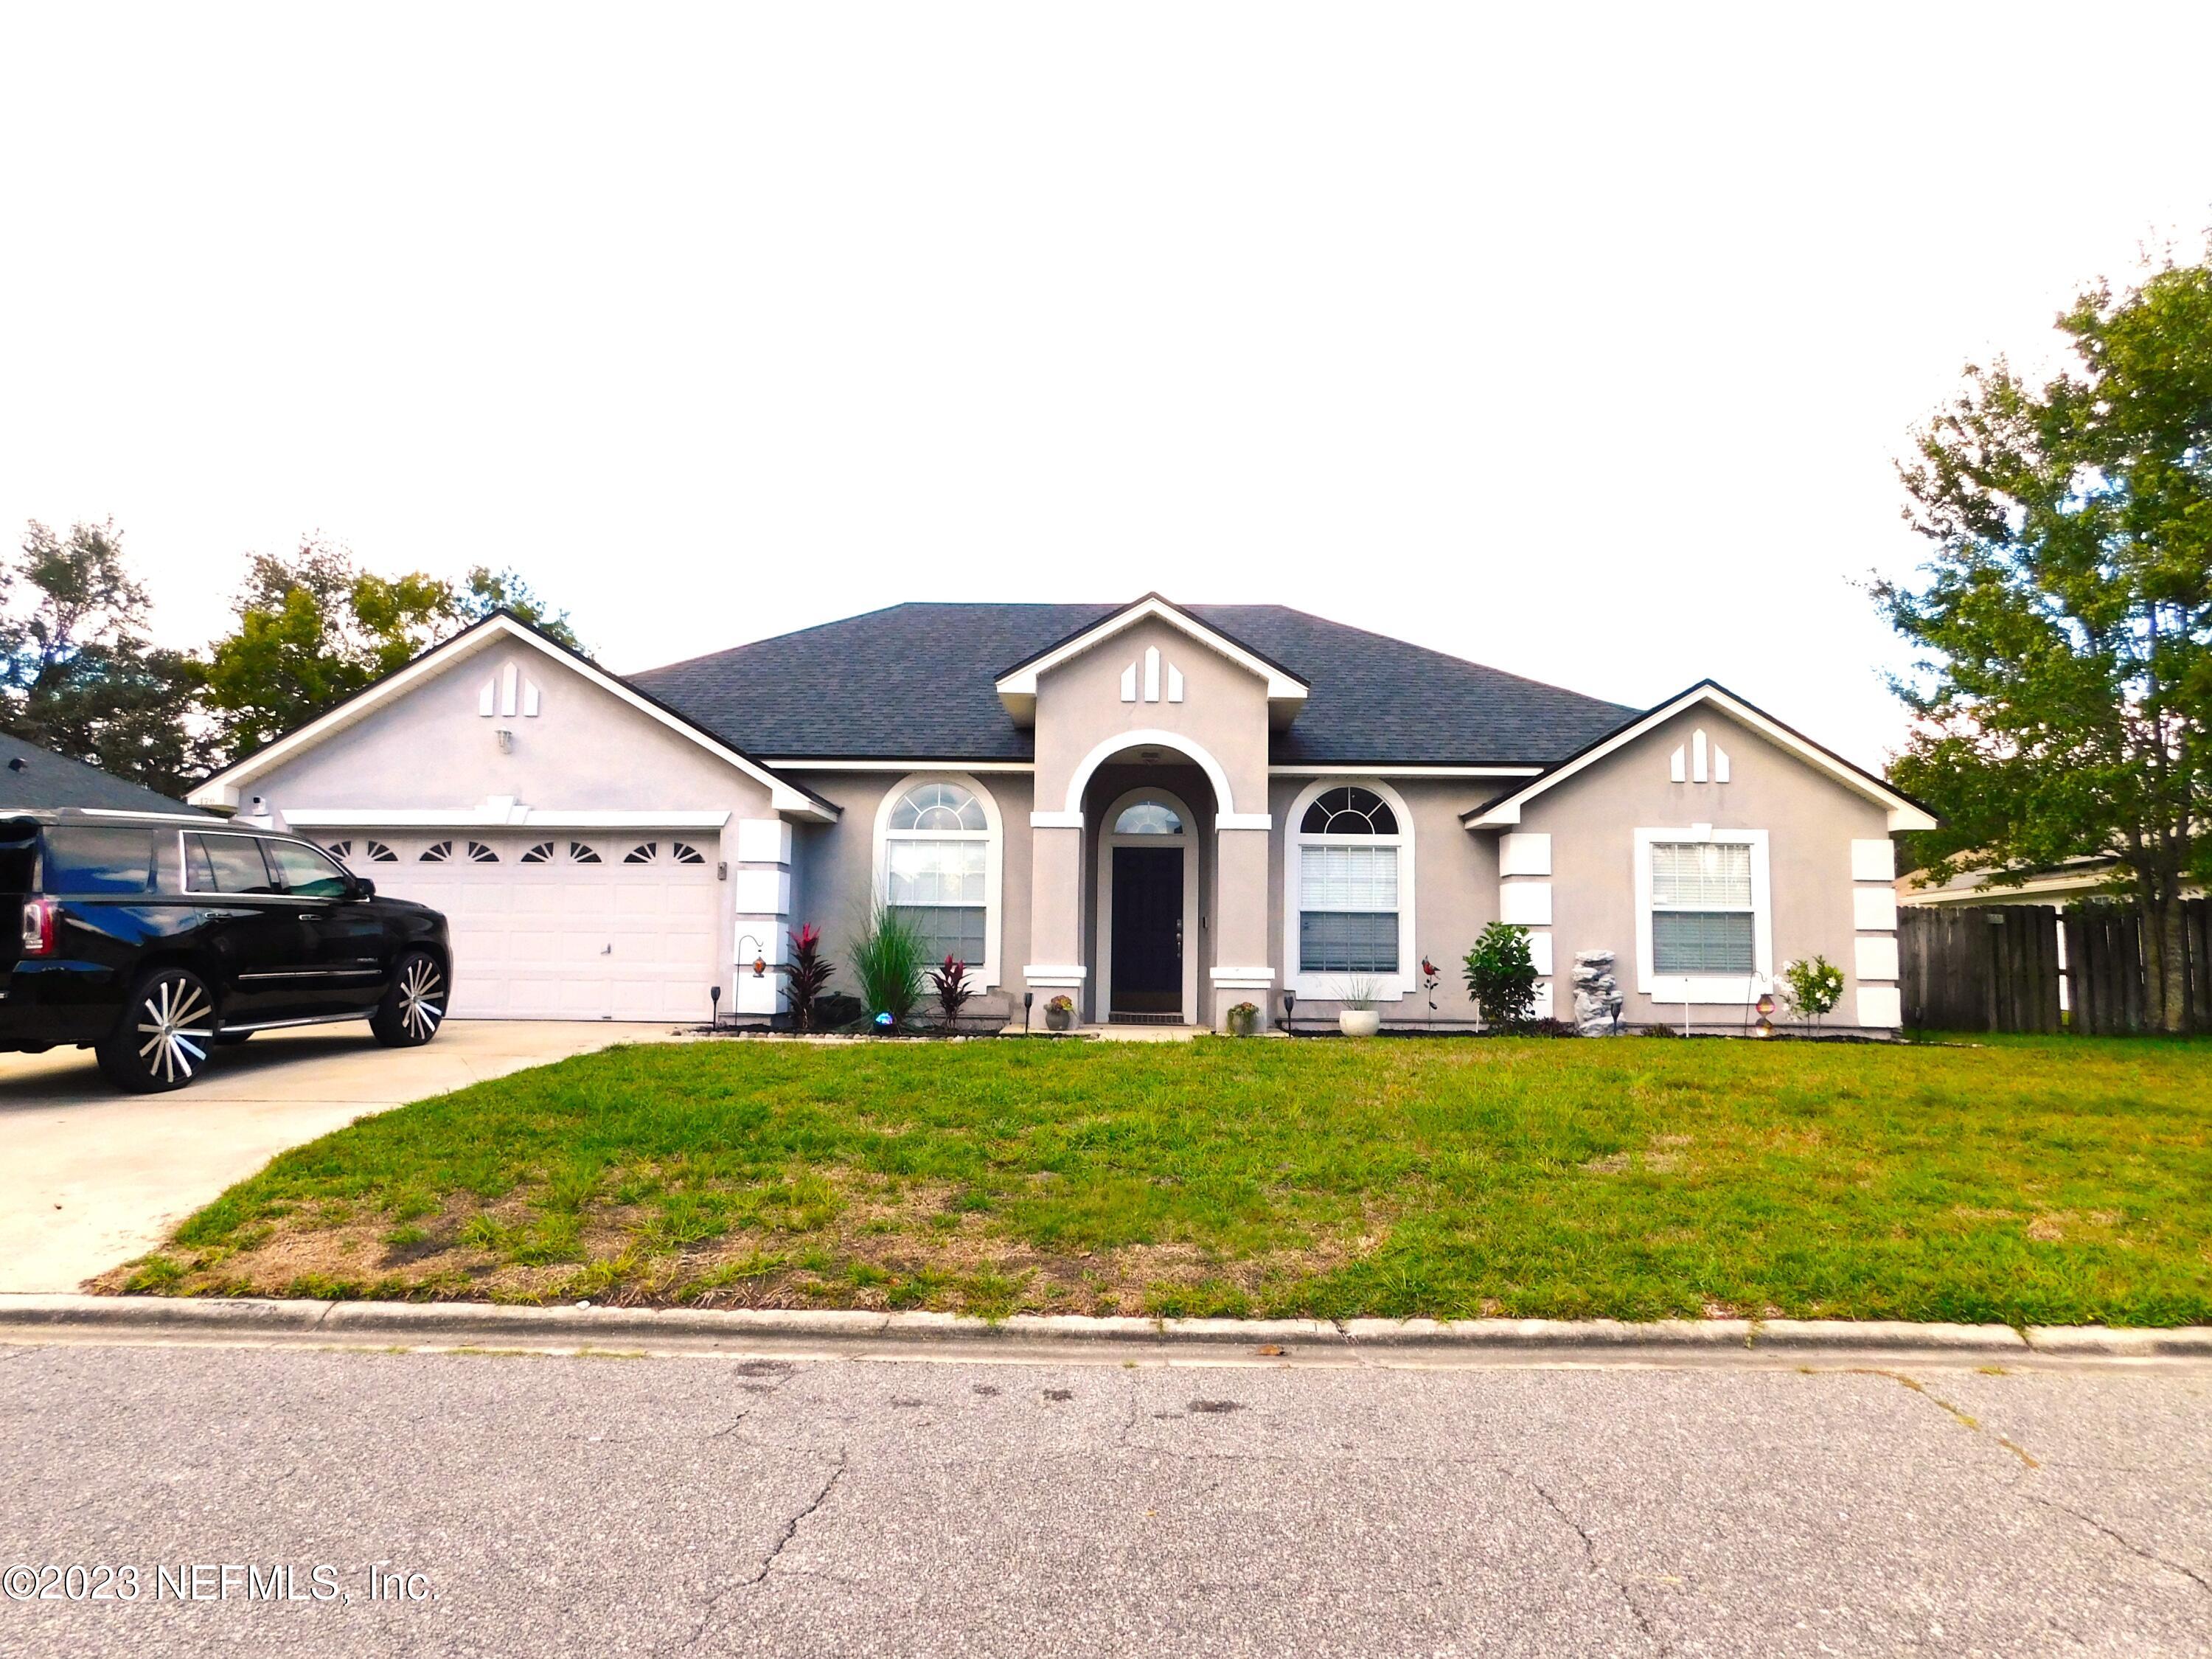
point(226, 787)
point(1149, 739)
point(1505, 812)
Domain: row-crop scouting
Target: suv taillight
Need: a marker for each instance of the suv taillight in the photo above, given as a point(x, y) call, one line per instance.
point(37, 927)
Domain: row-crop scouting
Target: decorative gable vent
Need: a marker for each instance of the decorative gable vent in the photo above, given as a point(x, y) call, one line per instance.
point(508, 693)
point(1698, 761)
point(1151, 666)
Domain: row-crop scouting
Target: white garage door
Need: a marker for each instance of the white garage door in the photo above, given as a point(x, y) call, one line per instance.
point(573, 926)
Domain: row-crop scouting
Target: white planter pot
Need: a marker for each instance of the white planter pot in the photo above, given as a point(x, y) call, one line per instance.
point(1359, 1022)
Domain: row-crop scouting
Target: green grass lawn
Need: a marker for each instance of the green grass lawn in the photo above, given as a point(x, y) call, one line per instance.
point(2055, 1180)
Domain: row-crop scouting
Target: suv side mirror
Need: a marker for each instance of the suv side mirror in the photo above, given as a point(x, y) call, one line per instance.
point(364, 888)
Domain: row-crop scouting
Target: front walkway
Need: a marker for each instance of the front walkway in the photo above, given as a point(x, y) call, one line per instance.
point(93, 1176)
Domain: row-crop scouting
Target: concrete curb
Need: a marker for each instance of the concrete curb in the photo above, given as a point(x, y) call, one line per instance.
point(475, 1324)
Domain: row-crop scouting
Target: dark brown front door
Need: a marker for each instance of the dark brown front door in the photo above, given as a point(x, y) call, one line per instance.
point(1147, 929)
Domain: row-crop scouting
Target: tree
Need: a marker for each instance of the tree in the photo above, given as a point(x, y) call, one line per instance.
point(2062, 702)
point(486, 590)
point(79, 675)
point(1501, 976)
point(312, 630)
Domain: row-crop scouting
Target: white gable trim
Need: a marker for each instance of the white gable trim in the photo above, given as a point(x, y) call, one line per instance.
point(1018, 689)
point(226, 788)
point(1903, 814)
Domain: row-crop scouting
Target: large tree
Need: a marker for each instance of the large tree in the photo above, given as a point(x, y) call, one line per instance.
point(484, 590)
point(78, 674)
point(2063, 699)
point(312, 630)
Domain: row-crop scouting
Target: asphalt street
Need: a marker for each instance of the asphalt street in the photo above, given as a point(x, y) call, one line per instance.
point(508, 1504)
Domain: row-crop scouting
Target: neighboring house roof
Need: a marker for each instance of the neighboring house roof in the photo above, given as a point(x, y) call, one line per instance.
point(41, 779)
point(921, 681)
point(1905, 812)
point(225, 787)
point(2063, 883)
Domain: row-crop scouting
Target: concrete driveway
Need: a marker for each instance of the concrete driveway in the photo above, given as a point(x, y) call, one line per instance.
point(89, 1177)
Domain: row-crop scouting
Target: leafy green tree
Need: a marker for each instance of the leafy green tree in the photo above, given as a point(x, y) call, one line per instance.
point(485, 590)
point(78, 674)
point(1501, 976)
point(312, 630)
point(2065, 620)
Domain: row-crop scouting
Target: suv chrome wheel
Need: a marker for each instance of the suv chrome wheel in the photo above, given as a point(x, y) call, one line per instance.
point(162, 1040)
point(415, 1007)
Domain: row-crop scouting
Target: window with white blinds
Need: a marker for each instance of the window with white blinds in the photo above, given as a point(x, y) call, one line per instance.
point(936, 855)
point(1702, 913)
point(1348, 910)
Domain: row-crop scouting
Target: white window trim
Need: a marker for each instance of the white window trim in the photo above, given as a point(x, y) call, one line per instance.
point(1324, 988)
point(992, 835)
point(1109, 838)
point(1731, 990)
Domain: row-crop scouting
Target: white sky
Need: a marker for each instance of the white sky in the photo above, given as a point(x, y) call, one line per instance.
point(1581, 342)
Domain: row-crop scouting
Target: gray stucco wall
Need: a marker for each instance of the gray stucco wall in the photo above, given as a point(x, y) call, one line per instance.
point(1454, 889)
point(1810, 819)
point(836, 871)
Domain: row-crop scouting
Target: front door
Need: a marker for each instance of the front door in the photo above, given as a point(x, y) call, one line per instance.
point(1147, 930)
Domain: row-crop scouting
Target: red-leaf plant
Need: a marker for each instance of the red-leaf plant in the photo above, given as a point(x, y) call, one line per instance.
point(952, 988)
point(804, 975)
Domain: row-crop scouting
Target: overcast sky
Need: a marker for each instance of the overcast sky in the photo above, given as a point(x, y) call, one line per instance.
point(1578, 342)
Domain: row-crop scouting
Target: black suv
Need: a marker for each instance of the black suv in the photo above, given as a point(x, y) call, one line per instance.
point(149, 939)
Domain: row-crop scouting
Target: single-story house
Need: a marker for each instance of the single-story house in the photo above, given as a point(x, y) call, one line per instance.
point(38, 780)
point(1159, 810)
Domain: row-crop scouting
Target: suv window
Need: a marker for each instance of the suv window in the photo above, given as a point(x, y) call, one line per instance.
point(226, 864)
point(306, 873)
point(84, 859)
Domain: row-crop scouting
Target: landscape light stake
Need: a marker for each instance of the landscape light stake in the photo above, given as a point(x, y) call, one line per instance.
point(1290, 1013)
point(1028, 997)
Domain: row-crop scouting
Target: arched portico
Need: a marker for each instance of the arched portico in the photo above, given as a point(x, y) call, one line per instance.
point(1123, 743)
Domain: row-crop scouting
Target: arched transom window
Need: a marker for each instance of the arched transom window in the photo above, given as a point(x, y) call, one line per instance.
point(1349, 910)
point(1148, 817)
point(937, 853)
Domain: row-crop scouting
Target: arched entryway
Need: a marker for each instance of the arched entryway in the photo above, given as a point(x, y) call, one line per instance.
point(1147, 928)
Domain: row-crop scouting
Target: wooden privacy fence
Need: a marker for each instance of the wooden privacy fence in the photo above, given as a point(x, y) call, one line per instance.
point(1998, 968)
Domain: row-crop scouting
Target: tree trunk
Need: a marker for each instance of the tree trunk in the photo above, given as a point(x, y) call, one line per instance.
point(2166, 966)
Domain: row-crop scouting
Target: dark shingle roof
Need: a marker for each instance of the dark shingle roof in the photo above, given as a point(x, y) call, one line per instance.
point(916, 680)
point(45, 780)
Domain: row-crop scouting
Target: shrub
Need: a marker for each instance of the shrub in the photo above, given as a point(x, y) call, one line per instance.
point(1357, 993)
point(804, 975)
point(1501, 976)
point(887, 960)
point(1813, 986)
point(950, 983)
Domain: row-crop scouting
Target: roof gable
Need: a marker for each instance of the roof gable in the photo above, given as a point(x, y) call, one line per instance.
point(1905, 812)
point(1016, 686)
point(224, 787)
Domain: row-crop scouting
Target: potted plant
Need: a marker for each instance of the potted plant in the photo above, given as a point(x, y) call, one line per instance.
point(1243, 1019)
point(804, 976)
point(1357, 1017)
point(1060, 1013)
